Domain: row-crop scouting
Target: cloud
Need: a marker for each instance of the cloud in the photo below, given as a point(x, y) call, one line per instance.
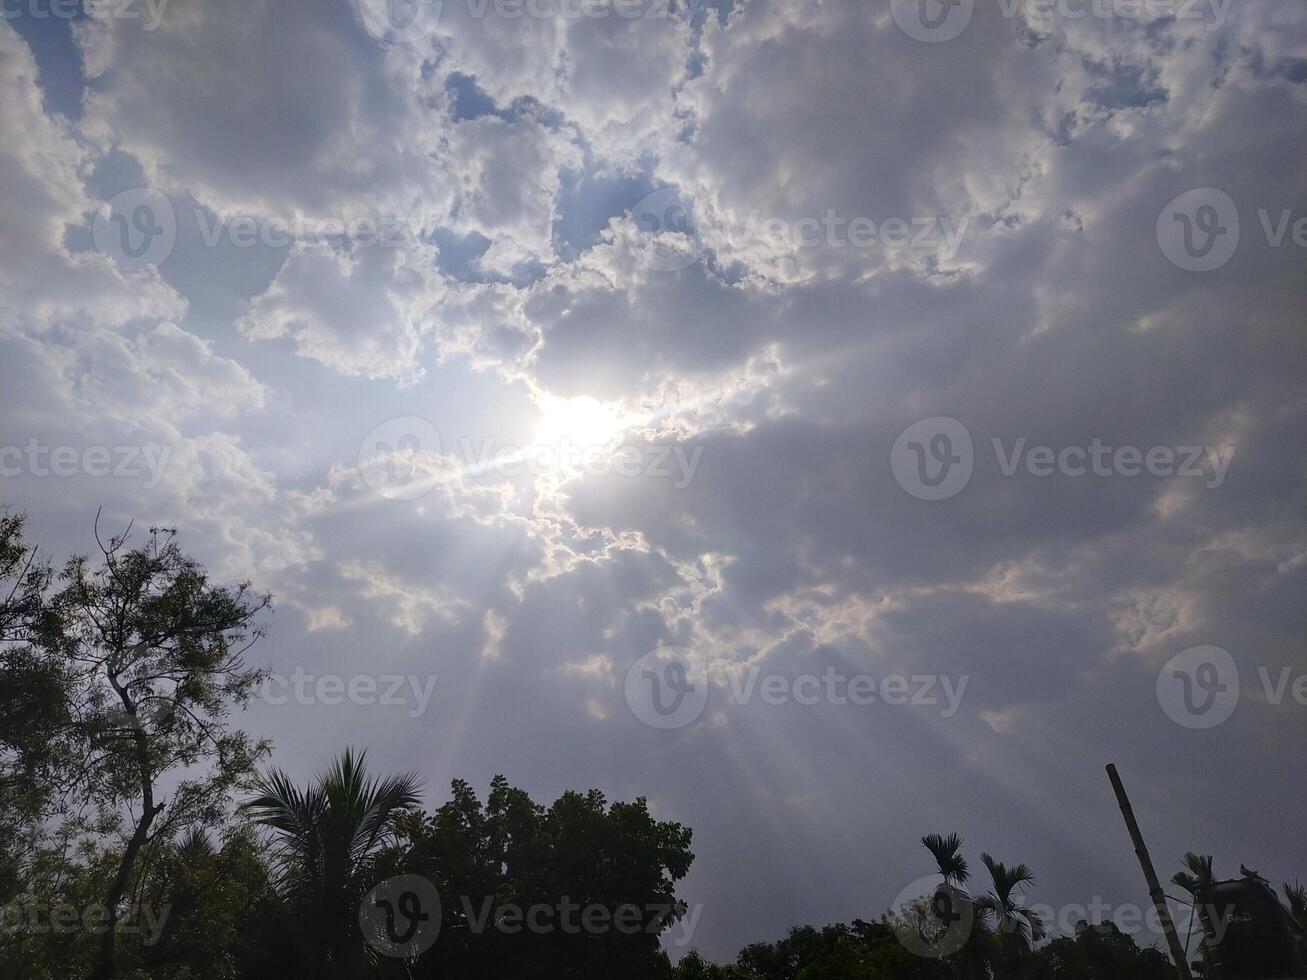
point(361, 312)
point(515, 156)
point(43, 165)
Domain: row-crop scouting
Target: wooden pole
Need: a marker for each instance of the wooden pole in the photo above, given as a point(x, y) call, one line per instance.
point(1154, 887)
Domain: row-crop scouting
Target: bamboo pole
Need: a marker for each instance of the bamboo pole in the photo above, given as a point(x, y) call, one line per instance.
point(1154, 887)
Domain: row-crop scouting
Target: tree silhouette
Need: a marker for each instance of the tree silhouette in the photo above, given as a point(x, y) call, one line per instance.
point(327, 838)
point(150, 659)
point(1016, 925)
point(1198, 880)
point(947, 852)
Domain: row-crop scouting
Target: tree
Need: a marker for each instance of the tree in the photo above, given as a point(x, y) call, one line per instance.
point(1197, 880)
point(491, 862)
point(33, 705)
point(23, 582)
point(1097, 952)
point(150, 656)
point(1017, 926)
point(947, 852)
point(328, 837)
point(1296, 896)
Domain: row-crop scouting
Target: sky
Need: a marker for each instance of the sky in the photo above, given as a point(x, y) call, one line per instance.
point(833, 421)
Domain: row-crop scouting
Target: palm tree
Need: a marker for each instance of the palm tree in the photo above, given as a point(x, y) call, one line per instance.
point(1296, 895)
point(971, 958)
point(327, 837)
point(1015, 924)
point(1198, 881)
point(1199, 878)
point(947, 852)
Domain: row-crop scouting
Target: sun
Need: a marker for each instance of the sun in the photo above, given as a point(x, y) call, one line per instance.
point(581, 422)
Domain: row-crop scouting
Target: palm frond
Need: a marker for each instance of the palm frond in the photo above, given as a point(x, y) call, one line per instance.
point(1296, 895)
point(1001, 906)
point(947, 852)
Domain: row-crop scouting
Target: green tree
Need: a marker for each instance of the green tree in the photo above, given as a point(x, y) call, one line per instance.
point(116, 685)
point(1016, 927)
point(153, 656)
point(34, 703)
point(1097, 952)
point(511, 854)
point(328, 837)
point(211, 906)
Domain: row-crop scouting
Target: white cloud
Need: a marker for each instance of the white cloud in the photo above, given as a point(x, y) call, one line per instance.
point(361, 312)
